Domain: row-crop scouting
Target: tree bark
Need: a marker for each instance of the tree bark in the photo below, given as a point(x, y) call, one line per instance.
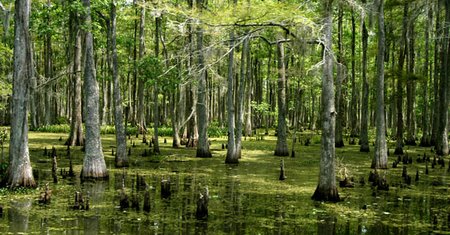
point(380, 157)
point(121, 158)
point(240, 97)
point(76, 125)
point(232, 157)
point(94, 164)
point(364, 137)
point(141, 83)
point(425, 140)
point(339, 141)
point(326, 189)
point(403, 49)
point(202, 108)
point(19, 172)
point(156, 90)
point(437, 44)
point(410, 90)
point(353, 103)
point(442, 134)
point(282, 147)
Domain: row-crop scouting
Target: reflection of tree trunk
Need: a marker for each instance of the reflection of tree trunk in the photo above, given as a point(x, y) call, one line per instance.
point(326, 224)
point(18, 216)
point(91, 225)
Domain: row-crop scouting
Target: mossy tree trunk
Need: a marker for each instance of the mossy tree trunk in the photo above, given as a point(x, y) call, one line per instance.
point(442, 134)
point(282, 147)
point(425, 140)
point(437, 44)
point(353, 104)
point(156, 90)
point(339, 141)
point(326, 189)
point(121, 158)
point(19, 172)
point(403, 49)
point(410, 89)
point(76, 124)
point(232, 156)
point(141, 83)
point(94, 164)
point(364, 137)
point(202, 108)
point(380, 157)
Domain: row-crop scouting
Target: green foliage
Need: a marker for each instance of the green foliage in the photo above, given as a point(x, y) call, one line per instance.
point(150, 68)
point(61, 128)
point(214, 130)
point(109, 129)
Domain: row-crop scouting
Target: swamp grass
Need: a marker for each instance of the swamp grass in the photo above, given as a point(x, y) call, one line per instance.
point(246, 198)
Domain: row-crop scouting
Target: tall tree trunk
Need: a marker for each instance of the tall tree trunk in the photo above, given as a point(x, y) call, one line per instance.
point(179, 112)
point(191, 94)
point(76, 125)
point(121, 158)
point(94, 164)
point(141, 83)
point(380, 157)
point(19, 172)
point(202, 108)
point(156, 90)
point(425, 140)
point(437, 44)
point(248, 94)
point(364, 137)
point(403, 49)
point(442, 134)
point(282, 147)
point(240, 97)
point(232, 156)
point(353, 102)
point(326, 189)
point(340, 79)
point(410, 90)
point(50, 112)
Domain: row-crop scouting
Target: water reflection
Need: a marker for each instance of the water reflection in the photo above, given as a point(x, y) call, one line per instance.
point(326, 224)
point(234, 220)
point(18, 215)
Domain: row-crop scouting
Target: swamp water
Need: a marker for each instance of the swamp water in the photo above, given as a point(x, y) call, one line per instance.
point(244, 199)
